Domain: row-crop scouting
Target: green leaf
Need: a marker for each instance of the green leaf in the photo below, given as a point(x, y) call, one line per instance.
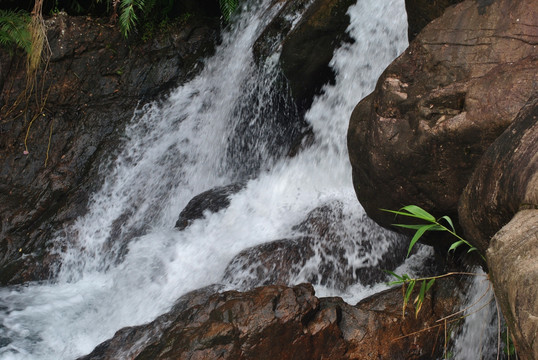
point(449, 221)
point(418, 235)
point(409, 291)
point(471, 249)
point(420, 298)
point(227, 8)
point(394, 274)
point(456, 245)
point(430, 283)
point(415, 227)
point(418, 226)
point(419, 212)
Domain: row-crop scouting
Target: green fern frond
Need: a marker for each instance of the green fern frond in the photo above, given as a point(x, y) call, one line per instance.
point(128, 17)
point(228, 7)
point(14, 30)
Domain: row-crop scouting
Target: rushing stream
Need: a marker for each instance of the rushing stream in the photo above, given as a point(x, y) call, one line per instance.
point(123, 263)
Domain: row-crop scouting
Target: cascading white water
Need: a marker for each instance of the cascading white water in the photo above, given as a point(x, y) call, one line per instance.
point(478, 338)
point(173, 151)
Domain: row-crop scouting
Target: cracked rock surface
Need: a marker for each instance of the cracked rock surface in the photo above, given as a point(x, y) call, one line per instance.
point(280, 322)
point(436, 109)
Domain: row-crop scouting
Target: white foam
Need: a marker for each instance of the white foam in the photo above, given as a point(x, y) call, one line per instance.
point(173, 151)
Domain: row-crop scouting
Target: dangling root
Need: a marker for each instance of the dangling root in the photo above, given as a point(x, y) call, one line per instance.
point(40, 52)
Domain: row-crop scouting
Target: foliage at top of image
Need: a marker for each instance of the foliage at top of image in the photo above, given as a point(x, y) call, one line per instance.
point(14, 23)
point(14, 30)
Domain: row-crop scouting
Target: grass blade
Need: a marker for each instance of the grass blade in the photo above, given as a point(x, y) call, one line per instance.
point(419, 212)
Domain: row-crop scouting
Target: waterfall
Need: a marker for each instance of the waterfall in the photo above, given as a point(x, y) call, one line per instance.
point(478, 338)
point(123, 263)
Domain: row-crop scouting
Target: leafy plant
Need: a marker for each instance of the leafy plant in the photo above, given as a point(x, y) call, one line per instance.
point(128, 17)
point(228, 7)
point(14, 30)
point(431, 224)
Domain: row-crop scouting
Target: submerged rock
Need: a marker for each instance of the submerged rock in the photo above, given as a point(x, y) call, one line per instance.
point(279, 322)
point(323, 253)
point(436, 109)
point(210, 201)
point(309, 47)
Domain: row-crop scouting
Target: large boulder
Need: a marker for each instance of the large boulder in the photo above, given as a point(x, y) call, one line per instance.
point(94, 81)
point(436, 109)
point(279, 322)
point(505, 180)
point(514, 273)
point(498, 211)
point(421, 12)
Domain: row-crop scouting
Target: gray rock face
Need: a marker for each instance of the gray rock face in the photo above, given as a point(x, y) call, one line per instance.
point(94, 81)
point(436, 109)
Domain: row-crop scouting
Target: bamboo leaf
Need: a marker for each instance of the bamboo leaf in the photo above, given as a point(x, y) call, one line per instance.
point(409, 291)
point(435, 227)
point(419, 212)
point(414, 227)
point(429, 285)
point(449, 221)
point(418, 235)
point(394, 274)
point(456, 245)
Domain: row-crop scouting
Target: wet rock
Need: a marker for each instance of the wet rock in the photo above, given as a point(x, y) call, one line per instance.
point(505, 180)
point(278, 322)
point(498, 211)
point(513, 271)
point(270, 40)
point(130, 341)
point(326, 251)
point(94, 81)
point(212, 200)
point(436, 109)
point(421, 12)
point(308, 48)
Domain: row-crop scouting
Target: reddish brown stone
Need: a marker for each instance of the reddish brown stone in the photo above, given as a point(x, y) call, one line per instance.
point(278, 322)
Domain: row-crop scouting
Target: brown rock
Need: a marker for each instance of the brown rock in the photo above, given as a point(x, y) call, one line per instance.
point(421, 12)
point(278, 322)
point(211, 201)
point(436, 109)
point(514, 273)
point(505, 180)
point(308, 48)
